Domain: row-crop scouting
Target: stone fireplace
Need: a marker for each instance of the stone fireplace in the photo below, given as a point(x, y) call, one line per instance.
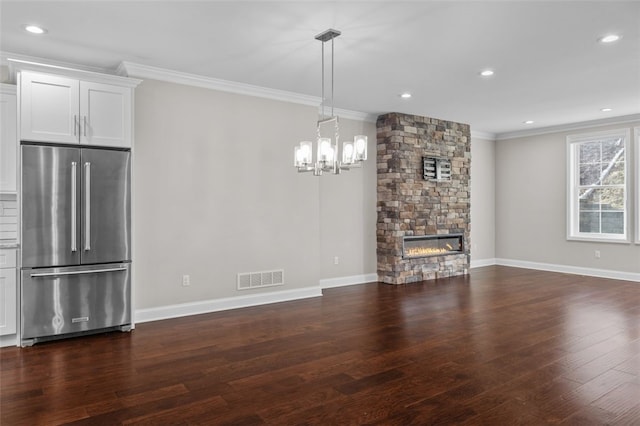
point(423, 198)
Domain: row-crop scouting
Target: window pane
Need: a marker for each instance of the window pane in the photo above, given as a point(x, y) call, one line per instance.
point(612, 198)
point(612, 149)
point(590, 222)
point(589, 199)
point(614, 174)
point(589, 152)
point(613, 222)
point(589, 174)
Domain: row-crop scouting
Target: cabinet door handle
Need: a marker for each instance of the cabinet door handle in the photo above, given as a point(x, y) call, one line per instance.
point(75, 125)
point(85, 125)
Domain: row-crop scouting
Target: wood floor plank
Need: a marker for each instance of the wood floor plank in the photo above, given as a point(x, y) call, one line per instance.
point(502, 346)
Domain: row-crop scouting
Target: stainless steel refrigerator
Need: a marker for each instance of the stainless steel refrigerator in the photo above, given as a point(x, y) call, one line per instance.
point(75, 241)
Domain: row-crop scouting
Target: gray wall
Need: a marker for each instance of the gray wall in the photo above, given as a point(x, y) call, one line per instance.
point(215, 193)
point(531, 206)
point(348, 212)
point(483, 225)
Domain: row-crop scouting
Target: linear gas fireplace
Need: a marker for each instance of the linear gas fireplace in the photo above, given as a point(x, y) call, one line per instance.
point(432, 245)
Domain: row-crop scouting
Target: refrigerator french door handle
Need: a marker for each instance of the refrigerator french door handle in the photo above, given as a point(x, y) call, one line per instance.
point(58, 274)
point(74, 201)
point(87, 206)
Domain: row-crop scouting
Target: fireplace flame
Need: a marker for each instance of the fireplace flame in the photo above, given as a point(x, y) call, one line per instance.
point(427, 251)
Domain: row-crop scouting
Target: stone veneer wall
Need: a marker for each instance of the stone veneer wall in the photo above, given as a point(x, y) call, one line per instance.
point(409, 205)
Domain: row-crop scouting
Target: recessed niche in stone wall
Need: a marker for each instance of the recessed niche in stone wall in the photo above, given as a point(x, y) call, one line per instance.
point(410, 205)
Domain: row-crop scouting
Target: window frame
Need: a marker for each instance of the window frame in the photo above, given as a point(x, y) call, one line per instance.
point(573, 179)
point(636, 170)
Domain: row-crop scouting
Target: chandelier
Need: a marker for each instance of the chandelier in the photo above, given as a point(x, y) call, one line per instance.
point(328, 159)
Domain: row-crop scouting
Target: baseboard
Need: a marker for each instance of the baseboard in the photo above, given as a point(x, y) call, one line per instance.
point(482, 262)
point(350, 280)
point(214, 305)
point(8, 340)
point(576, 270)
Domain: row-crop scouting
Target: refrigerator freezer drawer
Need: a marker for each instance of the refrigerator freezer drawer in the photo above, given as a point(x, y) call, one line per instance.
point(58, 301)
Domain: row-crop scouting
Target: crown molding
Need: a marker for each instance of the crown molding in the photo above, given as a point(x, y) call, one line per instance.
point(21, 65)
point(9, 58)
point(163, 74)
point(178, 77)
point(569, 127)
point(475, 134)
point(353, 115)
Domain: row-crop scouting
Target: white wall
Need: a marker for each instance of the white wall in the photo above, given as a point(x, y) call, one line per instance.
point(348, 213)
point(483, 225)
point(531, 207)
point(216, 194)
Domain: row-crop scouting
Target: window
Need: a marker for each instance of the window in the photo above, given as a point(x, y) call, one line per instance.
point(598, 186)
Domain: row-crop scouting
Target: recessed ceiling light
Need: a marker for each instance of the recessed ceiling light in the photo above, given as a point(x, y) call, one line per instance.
point(606, 109)
point(34, 29)
point(486, 73)
point(609, 38)
point(528, 122)
point(405, 95)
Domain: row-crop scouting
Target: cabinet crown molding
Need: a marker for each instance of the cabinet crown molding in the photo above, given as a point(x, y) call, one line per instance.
point(21, 65)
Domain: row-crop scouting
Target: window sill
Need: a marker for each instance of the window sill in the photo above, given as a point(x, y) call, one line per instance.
point(600, 240)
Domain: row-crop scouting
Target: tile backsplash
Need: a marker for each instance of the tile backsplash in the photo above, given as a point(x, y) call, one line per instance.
point(8, 217)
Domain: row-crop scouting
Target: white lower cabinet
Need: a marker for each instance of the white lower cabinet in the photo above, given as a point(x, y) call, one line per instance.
point(8, 287)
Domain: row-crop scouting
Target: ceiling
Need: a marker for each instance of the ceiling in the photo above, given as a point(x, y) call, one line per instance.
point(549, 66)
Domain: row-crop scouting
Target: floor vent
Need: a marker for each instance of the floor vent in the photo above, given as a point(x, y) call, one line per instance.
point(249, 280)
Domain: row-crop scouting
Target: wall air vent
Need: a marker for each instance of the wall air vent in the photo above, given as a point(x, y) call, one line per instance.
point(249, 280)
point(435, 168)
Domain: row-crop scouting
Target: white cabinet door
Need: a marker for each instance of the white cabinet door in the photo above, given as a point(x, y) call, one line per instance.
point(49, 108)
point(105, 112)
point(8, 142)
point(8, 300)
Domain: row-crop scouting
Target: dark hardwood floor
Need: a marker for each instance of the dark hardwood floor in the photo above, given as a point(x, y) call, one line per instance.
point(503, 346)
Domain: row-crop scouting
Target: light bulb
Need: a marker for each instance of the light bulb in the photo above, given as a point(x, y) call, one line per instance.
point(348, 150)
point(360, 142)
point(304, 152)
point(325, 150)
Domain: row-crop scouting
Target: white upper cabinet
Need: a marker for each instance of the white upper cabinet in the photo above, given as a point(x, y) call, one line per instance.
point(106, 114)
point(55, 108)
point(8, 138)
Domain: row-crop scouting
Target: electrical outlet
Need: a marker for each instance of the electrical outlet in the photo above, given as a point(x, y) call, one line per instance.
point(186, 281)
point(597, 254)
point(336, 260)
